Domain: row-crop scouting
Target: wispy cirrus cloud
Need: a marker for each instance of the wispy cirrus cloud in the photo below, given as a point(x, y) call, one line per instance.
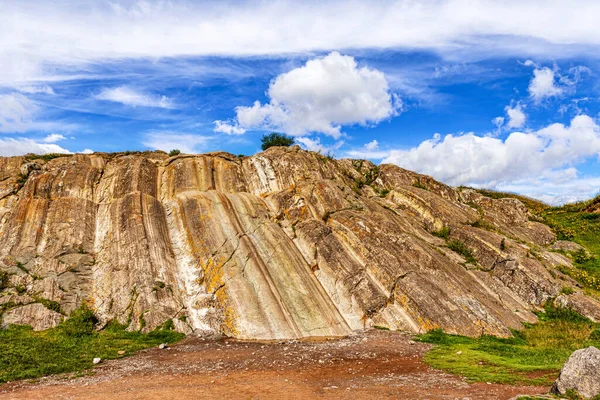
point(131, 97)
point(92, 31)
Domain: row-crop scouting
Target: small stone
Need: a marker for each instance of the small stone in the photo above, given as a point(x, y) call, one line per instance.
point(121, 352)
point(97, 360)
point(163, 346)
point(459, 352)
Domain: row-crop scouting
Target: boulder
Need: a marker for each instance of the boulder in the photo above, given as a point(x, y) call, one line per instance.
point(581, 373)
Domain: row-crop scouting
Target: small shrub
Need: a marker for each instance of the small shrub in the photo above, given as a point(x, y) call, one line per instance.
point(49, 304)
point(174, 152)
point(567, 290)
point(21, 180)
point(81, 322)
point(276, 139)
point(503, 244)
point(384, 192)
point(581, 256)
point(443, 233)
point(460, 248)
point(4, 279)
point(419, 185)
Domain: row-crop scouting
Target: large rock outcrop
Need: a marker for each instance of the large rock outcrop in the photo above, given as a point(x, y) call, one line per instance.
point(283, 244)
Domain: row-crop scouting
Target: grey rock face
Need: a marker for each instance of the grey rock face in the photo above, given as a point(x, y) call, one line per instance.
point(581, 372)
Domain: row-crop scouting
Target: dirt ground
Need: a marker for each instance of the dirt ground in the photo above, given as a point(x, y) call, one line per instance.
point(369, 365)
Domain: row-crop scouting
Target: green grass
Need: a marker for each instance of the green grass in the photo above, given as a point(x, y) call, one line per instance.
point(71, 346)
point(533, 356)
point(573, 222)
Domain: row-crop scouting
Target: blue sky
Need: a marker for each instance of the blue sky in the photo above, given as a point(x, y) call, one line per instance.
point(503, 95)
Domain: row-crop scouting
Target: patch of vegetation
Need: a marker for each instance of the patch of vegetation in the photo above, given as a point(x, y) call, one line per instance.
point(420, 185)
point(574, 222)
point(459, 247)
point(483, 224)
point(174, 152)
point(4, 280)
point(49, 304)
point(276, 139)
point(21, 180)
point(383, 192)
point(535, 206)
point(71, 346)
point(533, 356)
point(443, 233)
point(45, 157)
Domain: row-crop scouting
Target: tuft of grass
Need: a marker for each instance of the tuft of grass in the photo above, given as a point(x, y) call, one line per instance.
point(174, 152)
point(71, 346)
point(533, 356)
point(460, 248)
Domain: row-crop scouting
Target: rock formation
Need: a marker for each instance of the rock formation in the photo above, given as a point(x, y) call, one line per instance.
point(580, 373)
point(283, 244)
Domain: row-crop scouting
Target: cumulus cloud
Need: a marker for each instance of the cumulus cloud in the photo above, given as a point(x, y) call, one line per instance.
point(516, 116)
point(228, 128)
point(369, 150)
point(185, 142)
point(131, 97)
point(469, 159)
point(321, 96)
point(543, 85)
point(17, 147)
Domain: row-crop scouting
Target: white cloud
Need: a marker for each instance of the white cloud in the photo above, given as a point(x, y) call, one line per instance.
point(87, 151)
point(516, 116)
point(548, 153)
point(373, 145)
point(228, 128)
point(16, 112)
point(53, 138)
point(370, 151)
point(17, 147)
point(316, 145)
point(185, 142)
point(131, 97)
point(543, 85)
point(321, 96)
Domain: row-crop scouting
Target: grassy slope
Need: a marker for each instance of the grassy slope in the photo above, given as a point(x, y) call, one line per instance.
point(70, 347)
point(533, 356)
point(536, 354)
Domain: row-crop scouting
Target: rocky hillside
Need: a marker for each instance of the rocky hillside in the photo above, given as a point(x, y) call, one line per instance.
point(284, 244)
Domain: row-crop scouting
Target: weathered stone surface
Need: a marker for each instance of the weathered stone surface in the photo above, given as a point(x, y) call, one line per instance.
point(36, 315)
point(283, 244)
point(581, 373)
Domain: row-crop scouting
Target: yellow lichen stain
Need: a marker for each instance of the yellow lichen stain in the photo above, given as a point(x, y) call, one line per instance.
point(214, 278)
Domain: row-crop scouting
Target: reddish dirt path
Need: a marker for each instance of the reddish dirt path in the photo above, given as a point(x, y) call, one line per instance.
point(370, 365)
